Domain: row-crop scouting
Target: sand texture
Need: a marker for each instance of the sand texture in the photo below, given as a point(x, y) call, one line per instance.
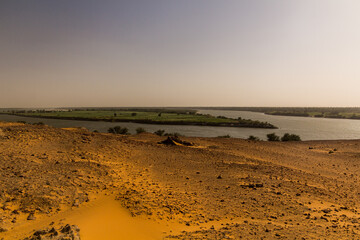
point(104, 186)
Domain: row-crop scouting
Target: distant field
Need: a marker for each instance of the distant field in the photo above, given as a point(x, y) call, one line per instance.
point(189, 118)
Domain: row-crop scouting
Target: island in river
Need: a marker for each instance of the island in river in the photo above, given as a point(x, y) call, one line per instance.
point(144, 115)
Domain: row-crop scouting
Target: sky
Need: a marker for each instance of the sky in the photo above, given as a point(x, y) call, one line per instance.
point(285, 53)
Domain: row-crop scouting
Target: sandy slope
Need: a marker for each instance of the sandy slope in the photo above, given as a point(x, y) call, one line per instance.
point(131, 187)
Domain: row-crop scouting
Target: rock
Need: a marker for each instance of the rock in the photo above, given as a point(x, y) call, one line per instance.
point(219, 177)
point(31, 216)
point(324, 218)
point(70, 228)
point(172, 140)
point(40, 232)
point(76, 203)
point(327, 210)
point(66, 229)
point(15, 212)
point(53, 232)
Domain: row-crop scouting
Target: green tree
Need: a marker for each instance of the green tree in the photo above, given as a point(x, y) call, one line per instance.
point(272, 137)
point(253, 138)
point(290, 137)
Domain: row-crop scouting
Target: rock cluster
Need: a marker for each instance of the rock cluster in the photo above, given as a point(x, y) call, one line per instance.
point(67, 232)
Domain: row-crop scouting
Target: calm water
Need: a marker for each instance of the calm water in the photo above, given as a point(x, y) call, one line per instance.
point(307, 128)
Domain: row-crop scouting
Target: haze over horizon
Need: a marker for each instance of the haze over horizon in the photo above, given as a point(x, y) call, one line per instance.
point(179, 53)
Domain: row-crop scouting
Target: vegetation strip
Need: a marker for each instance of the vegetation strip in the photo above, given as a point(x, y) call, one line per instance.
point(147, 117)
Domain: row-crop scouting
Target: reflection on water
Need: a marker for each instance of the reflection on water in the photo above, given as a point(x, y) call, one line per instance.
point(307, 128)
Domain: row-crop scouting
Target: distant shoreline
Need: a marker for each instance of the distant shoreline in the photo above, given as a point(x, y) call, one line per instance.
point(310, 116)
point(350, 113)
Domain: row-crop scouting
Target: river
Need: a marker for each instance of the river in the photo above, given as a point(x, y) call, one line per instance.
point(307, 128)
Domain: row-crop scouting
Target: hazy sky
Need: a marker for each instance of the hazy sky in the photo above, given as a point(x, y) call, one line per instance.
point(179, 53)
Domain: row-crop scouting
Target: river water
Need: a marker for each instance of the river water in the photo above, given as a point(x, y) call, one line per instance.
point(307, 128)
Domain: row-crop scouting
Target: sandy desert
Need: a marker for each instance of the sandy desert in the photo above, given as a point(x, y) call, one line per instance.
point(72, 184)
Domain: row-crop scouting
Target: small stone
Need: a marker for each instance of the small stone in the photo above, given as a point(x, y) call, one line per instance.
point(15, 212)
point(327, 210)
point(31, 216)
point(40, 232)
point(76, 203)
point(53, 232)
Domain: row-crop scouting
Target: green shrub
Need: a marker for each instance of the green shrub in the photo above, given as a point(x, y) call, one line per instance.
point(133, 114)
point(272, 137)
point(140, 130)
point(224, 136)
point(118, 130)
point(160, 132)
point(253, 138)
point(290, 137)
point(39, 123)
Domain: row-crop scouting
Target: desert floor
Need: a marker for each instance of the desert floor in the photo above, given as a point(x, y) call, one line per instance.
point(131, 187)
